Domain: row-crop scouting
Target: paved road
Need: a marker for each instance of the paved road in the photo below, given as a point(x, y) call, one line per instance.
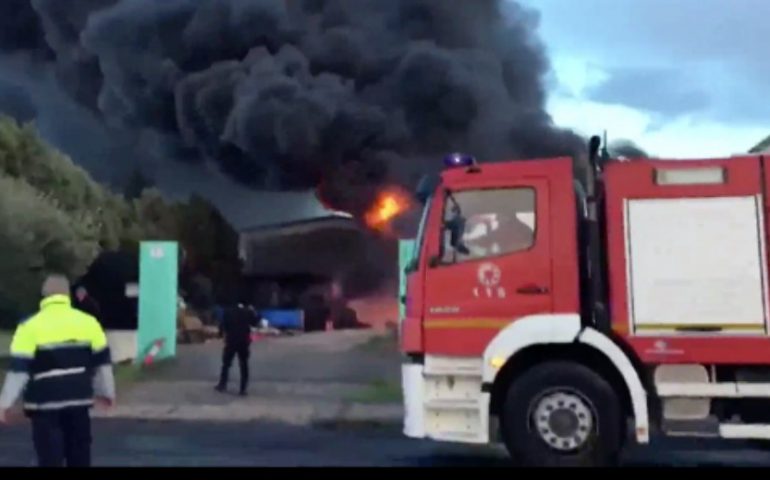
point(143, 443)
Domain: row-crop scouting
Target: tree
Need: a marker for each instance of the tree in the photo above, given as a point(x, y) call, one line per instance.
point(210, 245)
point(37, 237)
point(157, 219)
point(55, 217)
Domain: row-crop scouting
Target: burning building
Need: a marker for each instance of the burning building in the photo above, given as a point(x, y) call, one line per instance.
point(282, 262)
point(327, 262)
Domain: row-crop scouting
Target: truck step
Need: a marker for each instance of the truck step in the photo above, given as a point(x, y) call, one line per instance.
point(753, 431)
point(455, 366)
point(455, 436)
point(452, 373)
point(713, 390)
point(711, 427)
point(452, 404)
point(708, 427)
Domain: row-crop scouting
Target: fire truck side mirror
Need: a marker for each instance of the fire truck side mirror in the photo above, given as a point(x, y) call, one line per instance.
point(426, 187)
point(411, 267)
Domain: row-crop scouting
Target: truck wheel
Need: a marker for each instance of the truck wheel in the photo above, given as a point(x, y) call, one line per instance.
point(562, 414)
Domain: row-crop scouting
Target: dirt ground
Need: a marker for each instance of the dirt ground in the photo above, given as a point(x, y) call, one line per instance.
point(340, 356)
point(297, 379)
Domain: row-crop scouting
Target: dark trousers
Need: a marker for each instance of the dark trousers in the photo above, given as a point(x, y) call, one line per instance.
point(62, 438)
point(242, 351)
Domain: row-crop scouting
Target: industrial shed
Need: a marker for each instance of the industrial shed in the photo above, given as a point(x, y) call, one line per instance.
point(295, 252)
point(284, 264)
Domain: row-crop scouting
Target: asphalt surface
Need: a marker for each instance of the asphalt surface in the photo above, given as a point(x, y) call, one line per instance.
point(145, 443)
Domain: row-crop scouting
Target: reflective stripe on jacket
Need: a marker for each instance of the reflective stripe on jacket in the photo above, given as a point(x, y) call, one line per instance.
point(59, 349)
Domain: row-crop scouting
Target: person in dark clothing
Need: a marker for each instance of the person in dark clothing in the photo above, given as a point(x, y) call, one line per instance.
point(86, 303)
point(316, 313)
point(236, 330)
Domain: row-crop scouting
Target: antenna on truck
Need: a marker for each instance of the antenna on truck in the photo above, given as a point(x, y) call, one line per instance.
point(605, 149)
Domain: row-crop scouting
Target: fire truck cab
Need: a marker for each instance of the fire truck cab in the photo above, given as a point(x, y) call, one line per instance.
point(563, 310)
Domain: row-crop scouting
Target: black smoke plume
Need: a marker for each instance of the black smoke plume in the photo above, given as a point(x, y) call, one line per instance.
point(626, 148)
point(293, 94)
point(15, 102)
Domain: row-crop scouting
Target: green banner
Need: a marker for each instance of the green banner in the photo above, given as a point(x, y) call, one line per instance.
point(405, 249)
point(158, 297)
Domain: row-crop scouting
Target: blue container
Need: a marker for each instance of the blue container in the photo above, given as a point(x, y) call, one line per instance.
point(284, 319)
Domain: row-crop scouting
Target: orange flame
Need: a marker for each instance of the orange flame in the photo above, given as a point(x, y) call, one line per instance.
point(389, 204)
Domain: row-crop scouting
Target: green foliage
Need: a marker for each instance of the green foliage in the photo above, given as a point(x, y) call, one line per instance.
point(210, 250)
point(36, 237)
point(379, 392)
point(157, 219)
point(55, 217)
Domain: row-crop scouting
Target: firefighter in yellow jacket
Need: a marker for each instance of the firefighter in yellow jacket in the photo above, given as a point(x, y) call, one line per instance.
point(60, 362)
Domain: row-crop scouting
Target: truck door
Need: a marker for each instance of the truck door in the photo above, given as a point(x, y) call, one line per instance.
point(504, 271)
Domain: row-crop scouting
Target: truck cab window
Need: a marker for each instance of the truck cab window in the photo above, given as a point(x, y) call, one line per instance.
point(497, 222)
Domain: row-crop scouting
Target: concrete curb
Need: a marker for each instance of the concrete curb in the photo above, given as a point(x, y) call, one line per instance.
point(298, 414)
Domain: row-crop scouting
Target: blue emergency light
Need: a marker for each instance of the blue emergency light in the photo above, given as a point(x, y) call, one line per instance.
point(456, 160)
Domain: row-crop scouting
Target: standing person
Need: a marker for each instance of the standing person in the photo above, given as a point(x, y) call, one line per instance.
point(236, 330)
point(60, 360)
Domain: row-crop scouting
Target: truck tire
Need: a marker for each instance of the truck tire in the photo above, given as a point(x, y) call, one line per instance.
point(561, 414)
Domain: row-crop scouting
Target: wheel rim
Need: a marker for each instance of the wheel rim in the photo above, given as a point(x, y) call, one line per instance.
point(563, 420)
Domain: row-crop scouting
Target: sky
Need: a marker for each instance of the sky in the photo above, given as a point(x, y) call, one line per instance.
point(680, 78)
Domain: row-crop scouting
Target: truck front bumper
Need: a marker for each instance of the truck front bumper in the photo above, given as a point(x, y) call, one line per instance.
point(413, 386)
point(444, 401)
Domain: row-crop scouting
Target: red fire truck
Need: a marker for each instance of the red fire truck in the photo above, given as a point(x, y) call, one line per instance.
point(564, 311)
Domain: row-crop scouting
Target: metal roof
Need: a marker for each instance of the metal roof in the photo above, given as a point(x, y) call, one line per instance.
point(324, 247)
point(332, 220)
point(248, 211)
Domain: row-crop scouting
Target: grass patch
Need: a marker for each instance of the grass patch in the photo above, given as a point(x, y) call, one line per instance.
point(386, 343)
point(380, 391)
point(127, 373)
point(5, 342)
point(5, 351)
